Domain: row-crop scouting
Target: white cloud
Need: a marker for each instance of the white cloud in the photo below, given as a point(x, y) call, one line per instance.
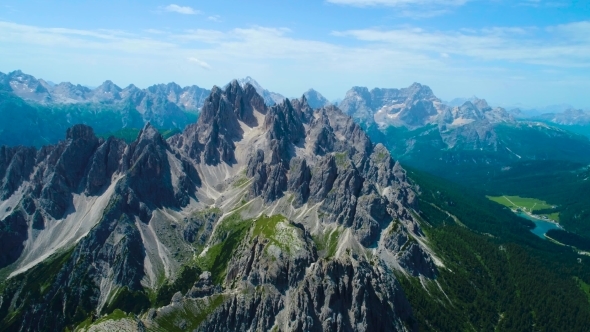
point(561, 46)
point(201, 63)
point(376, 57)
point(181, 10)
point(566, 45)
point(214, 18)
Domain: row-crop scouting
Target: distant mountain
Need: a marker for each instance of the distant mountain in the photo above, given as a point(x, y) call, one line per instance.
point(459, 141)
point(154, 98)
point(569, 117)
point(415, 107)
point(270, 98)
point(315, 99)
point(51, 108)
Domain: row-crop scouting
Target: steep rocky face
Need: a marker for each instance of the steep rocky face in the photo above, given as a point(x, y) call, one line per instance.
point(254, 218)
point(358, 297)
point(16, 165)
point(218, 126)
point(111, 190)
point(105, 162)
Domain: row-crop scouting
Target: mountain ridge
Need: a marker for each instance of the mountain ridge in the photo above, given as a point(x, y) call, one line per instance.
point(136, 206)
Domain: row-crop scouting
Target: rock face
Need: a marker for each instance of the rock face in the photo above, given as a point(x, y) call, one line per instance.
point(253, 218)
point(359, 297)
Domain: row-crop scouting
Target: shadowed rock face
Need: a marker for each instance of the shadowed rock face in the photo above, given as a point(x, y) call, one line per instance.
point(13, 232)
point(161, 204)
point(16, 165)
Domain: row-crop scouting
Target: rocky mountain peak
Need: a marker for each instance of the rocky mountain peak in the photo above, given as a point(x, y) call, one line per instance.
point(80, 131)
point(270, 98)
point(315, 99)
point(27, 86)
point(419, 91)
point(149, 133)
point(218, 126)
point(109, 86)
point(481, 104)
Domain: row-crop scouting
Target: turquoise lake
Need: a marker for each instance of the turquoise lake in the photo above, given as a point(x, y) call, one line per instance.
point(541, 226)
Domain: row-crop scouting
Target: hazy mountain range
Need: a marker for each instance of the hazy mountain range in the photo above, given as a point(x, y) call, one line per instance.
point(287, 217)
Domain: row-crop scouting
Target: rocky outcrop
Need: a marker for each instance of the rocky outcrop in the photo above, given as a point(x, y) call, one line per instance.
point(269, 180)
point(105, 162)
point(347, 295)
point(277, 260)
point(61, 170)
point(16, 166)
point(299, 179)
point(199, 227)
point(322, 180)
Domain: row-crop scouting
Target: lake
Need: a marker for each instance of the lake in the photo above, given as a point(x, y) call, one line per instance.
point(541, 226)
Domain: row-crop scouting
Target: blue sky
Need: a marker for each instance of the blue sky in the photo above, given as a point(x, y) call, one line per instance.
point(529, 52)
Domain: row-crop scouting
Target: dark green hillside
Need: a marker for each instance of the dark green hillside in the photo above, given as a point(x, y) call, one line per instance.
point(498, 276)
point(564, 184)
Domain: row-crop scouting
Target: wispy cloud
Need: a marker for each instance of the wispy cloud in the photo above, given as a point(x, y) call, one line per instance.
point(398, 3)
point(214, 18)
point(566, 45)
point(181, 9)
point(201, 63)
point(561, 46)
point(363, 56)
point(415, 9)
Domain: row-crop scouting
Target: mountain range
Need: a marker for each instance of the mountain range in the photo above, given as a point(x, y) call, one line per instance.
point(423, 132)
point(281, 188)
point(35, 112)
point(283, 218)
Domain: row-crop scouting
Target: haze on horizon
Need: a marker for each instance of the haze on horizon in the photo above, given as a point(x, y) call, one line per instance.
point(525, 52)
